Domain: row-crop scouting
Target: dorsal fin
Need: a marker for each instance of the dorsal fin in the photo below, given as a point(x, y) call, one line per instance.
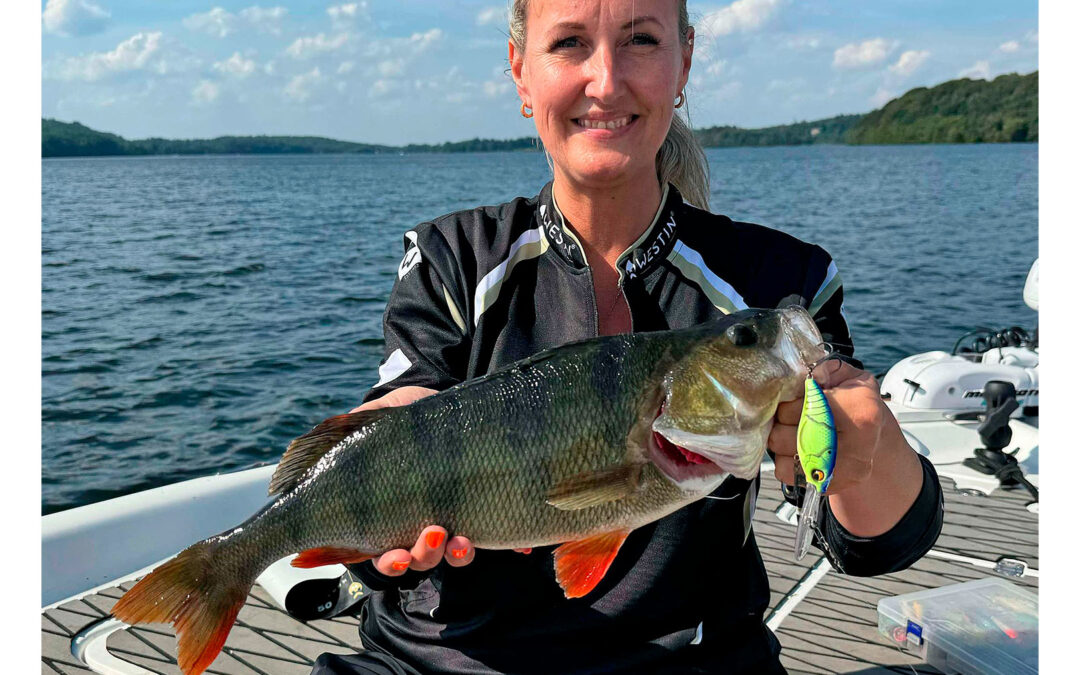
point(308, 449)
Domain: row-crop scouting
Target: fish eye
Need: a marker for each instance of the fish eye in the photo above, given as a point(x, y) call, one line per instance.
point(818, 475)
point(741, 335)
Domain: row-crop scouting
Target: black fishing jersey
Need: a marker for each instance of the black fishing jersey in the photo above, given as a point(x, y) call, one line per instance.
point(478, 290)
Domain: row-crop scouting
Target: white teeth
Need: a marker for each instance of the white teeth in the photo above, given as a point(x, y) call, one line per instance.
point(600, 124)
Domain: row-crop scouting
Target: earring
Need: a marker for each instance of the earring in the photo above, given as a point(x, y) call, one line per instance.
point(524, 108)
point(679, 101)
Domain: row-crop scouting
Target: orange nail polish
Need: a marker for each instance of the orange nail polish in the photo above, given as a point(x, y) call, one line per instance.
point(434, 539)
point(400, 565)
point(459, 552)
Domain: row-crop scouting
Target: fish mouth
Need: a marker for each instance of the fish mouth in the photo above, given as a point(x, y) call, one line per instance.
point(685, 467)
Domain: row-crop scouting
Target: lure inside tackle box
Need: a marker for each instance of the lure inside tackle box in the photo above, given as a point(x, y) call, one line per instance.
point(989, 626)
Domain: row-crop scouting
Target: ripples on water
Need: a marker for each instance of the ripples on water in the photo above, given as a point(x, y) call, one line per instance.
point(200, 312)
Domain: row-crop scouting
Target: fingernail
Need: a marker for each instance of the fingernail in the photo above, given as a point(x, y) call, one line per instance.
point(434, 539)
point(459, 552)
point(400, 565)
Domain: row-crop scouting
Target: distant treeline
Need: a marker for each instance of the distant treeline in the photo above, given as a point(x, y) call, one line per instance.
point(63, 139)
point(831, 130)
point(959, 111)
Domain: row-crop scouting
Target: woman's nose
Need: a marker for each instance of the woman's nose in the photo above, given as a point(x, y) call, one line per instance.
point(603, 78)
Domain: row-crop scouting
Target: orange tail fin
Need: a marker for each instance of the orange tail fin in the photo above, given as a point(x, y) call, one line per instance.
point(199, 596)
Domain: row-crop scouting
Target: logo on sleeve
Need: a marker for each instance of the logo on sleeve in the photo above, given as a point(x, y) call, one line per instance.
point(412, 256)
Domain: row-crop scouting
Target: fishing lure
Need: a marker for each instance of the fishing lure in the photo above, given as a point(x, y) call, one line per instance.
point(816, 445)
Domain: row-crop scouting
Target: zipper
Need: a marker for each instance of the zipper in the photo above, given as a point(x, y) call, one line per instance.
point(629, 312)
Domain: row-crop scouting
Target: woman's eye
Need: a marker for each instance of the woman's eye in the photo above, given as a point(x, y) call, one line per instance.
point(643, 39)
point(566, 43)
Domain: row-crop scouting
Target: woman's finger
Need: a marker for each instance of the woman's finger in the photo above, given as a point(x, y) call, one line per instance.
point(784, 469)
point(782, 440)
point(393, 563)
point(429, 548)
point(459, 551)
point(789, 411)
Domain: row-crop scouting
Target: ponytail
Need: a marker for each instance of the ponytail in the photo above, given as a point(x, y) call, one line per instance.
point(681, 162)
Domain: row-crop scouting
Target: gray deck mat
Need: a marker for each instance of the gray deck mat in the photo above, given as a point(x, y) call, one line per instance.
point(833, 630)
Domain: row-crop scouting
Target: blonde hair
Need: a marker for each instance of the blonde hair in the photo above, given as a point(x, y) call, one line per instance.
point(681, 160)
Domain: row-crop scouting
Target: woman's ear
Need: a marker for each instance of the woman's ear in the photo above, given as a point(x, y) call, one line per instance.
point(517, 69)
point(687, 58)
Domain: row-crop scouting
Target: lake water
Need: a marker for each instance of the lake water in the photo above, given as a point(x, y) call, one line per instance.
point(200, 312)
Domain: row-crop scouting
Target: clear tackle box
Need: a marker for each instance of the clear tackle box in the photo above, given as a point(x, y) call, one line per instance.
point(989, 626)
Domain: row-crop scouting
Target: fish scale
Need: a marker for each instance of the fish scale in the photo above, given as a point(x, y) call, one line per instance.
point(559, 448)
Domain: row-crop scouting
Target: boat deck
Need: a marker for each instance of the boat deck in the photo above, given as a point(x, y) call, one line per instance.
point(833, 629)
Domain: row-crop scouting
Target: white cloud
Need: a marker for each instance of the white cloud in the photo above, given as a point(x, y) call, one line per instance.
point(424, 40)
point(380, 88)
point(864, 54)
point(305, 47)
point(881, 97)
point(391, 67)
point(716, 67)
point(236, 65)
point(785, 86)
point(216, 22)
point(345, 67)
point(496, 88)
point(73, 17)
point(979, 71)
point(909, 62)
point(300, 87)
point(347, 13)
point(205, 92)
point(265, 19)
point(802, 42)
point(220, 22)
point(741, 16)
point(490, 16)
point(1032, 36)
point(1009, 47)
point(131, 54)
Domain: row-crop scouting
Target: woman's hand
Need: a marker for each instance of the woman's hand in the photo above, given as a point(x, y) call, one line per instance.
point(877, 475)
point(400, 396)
point(430, 549)
point(859, 414)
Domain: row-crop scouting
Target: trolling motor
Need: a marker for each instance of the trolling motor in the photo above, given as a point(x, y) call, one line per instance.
point(995, 434)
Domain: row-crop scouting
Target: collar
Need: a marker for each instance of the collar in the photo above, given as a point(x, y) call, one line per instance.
point(642, 256)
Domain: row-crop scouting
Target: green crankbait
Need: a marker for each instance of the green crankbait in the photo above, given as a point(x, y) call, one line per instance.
point(816, 444)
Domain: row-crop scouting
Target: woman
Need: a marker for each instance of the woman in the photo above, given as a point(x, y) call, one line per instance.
point(614, 244)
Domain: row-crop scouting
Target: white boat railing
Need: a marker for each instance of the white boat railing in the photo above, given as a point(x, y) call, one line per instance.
point(97, 545)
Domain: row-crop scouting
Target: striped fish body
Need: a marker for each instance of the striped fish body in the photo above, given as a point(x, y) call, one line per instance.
point(575, 446)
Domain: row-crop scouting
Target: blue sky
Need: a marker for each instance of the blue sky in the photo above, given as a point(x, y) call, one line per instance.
point(400, 71)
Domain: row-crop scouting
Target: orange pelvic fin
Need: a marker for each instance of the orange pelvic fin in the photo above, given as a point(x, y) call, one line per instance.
point(194, 597)
point(580, 565)
point(317, 557)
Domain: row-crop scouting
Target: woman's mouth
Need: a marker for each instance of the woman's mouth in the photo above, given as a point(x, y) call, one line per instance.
point(612, 124)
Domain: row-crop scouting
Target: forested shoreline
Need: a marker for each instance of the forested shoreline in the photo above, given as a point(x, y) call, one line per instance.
point(1002, 110)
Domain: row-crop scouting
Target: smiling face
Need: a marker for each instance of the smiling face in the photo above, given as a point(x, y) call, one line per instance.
point(601, 77)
